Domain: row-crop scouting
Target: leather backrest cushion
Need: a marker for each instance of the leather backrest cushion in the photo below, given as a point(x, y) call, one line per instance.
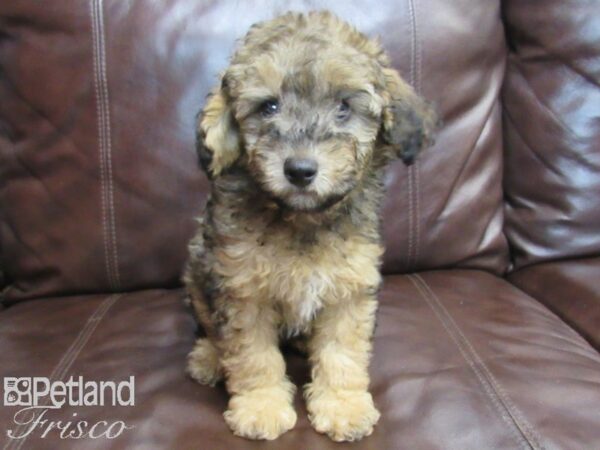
point(552, 129)
point(99, 183)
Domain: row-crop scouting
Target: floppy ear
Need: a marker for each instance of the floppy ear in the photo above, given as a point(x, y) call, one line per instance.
point(217, 138)
point(408, 121)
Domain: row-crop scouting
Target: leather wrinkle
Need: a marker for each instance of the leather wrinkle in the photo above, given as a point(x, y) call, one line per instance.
point(456, 181)
point(549, 54)
point(556, 119)
point(533, 152)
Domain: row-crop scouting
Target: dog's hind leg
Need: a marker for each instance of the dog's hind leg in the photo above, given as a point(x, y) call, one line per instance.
point(203, 363)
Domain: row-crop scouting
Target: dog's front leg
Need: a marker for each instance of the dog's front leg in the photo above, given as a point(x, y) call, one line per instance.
point(260, 406)
point(338, 400)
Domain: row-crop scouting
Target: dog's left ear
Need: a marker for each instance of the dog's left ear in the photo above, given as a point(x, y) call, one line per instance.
point(408, 122)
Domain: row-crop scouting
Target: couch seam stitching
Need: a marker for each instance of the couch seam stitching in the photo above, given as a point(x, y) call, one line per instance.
point(530, 432)
point(101, 144)
point(413, 182)
point(418, 62)
point(103, 102)
point(417, 214)
point(106, 98)
point(515, 413)
point(485, 384)
point(411, 218)
point(69, 357)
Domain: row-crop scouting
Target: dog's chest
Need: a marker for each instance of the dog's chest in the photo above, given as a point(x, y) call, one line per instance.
point(301, 277)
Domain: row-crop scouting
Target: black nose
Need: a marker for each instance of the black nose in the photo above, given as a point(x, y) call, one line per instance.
point(300, 172)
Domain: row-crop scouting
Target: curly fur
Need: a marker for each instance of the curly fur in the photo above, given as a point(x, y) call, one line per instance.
point(271, 260)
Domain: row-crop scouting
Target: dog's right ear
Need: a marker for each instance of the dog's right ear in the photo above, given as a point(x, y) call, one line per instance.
point(217, 137)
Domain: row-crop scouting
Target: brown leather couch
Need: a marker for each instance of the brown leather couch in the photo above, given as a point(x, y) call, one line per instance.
point(488, 332)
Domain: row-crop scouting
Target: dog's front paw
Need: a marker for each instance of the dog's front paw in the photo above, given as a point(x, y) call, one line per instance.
point(261, 413)
point(344, 415)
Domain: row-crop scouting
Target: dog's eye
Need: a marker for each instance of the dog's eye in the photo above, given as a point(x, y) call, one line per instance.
point(269, 108)
point(343, 110)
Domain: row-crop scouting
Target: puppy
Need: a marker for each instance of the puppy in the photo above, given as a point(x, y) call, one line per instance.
point(294, 140)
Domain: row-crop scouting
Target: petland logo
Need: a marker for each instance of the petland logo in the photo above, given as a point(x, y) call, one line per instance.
point(37, 395)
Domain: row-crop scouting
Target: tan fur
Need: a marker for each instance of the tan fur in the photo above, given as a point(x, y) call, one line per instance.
point(271, 260)
point(219, 133)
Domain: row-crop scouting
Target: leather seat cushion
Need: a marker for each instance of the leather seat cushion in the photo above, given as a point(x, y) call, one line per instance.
point(462, 359)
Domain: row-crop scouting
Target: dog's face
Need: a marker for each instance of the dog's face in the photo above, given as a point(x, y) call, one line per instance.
point(307, 107)
point(308, 125)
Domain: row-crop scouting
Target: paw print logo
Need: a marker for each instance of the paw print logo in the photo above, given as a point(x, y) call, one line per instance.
point(17, 391)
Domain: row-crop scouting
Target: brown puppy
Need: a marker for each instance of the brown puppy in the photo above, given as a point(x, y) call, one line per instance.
point(295, 140)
